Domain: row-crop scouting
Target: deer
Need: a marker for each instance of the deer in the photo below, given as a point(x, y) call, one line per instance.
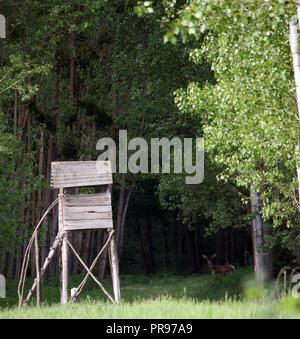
point(218, 269)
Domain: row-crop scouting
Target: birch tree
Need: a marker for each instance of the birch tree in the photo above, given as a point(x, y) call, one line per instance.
point(294, 43)
point(250, 115)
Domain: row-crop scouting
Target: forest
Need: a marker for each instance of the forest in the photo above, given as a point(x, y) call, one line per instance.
point(73, 72)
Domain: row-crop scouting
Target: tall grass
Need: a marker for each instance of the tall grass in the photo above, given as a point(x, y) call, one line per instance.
point(163, 296)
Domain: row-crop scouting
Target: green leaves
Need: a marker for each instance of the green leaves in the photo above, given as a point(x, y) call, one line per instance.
point(250, 114)
point(16, 177)
point(143, 7)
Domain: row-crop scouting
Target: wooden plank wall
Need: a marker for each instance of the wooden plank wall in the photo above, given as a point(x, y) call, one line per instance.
point(87, 211)
point(80, 173)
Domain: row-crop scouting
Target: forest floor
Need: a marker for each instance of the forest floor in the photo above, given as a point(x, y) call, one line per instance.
point(161, 296)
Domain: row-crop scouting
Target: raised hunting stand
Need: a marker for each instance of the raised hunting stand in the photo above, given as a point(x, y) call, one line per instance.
point(81, 212)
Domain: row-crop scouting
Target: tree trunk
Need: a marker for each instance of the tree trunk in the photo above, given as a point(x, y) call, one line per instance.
point(19, 256)
point(104, 258)
point(11, 264)
point(190, 241)
point(16, 110)
point(295, 247)
point(165, 236)
point(47, 199)
point(3, 264)
point(142, 246)
point(52, 220)
point(99, 244)
point(150, 257)
point(19, 253)
point(72, 69)
point(92, 247)
point(180, 238)
point(220, 247)
point(226, 245)
point(263, 263)
point(86, 250)
point(121, 215)
point(246, 254)
point(78, 247)
point(231, 245)
point(197, 242)
point(53, 232)
point(294, 44)
point(176, 253)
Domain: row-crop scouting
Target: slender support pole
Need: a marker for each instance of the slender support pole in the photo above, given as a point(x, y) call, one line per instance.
point(64, 252)
point(38, 273)
point(114, 264)
point(56, 243)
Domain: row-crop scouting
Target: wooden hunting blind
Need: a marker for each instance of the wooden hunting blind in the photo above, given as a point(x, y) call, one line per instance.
point(80, 212)
point(84, 211)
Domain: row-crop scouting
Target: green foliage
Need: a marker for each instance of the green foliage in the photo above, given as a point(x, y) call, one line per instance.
point(16, 182)
point(250, 114)
point(238, 92)
point(143, 7)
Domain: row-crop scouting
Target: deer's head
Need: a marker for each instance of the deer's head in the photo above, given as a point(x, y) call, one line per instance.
point(209, 260)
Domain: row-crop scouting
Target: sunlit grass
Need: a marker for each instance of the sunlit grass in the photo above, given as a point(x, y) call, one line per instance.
point(161, 308)
point(163, 296)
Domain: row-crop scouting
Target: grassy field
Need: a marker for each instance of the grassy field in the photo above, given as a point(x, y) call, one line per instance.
point(163, 296)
